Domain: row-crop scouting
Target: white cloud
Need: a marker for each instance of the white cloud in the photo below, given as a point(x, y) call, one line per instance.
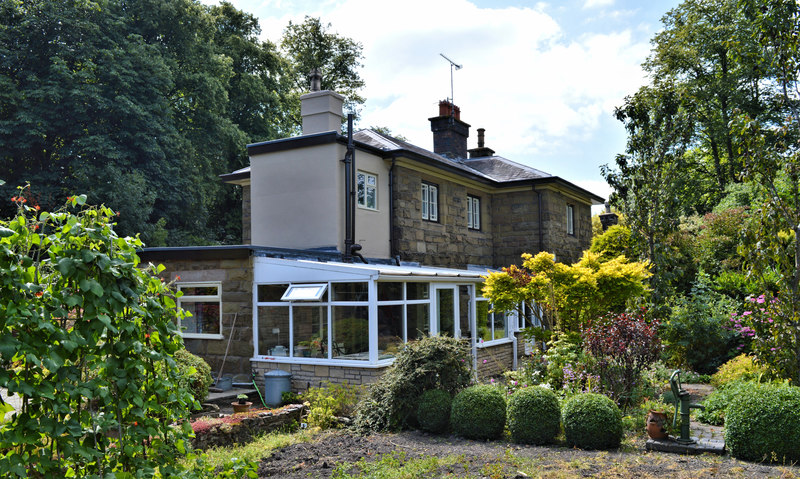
point(597, 3)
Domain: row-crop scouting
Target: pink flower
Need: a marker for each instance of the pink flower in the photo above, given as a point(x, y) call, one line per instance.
point(485, 361)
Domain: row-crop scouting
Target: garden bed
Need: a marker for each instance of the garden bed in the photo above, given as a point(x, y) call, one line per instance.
point(423, 455)
point(228, 430)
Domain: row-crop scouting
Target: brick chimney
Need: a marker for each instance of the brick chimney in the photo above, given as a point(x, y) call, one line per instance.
point(449, 132)
point(321, 110)
point(481, 151)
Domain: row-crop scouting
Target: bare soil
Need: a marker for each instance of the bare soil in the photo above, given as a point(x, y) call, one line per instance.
point(501, 459)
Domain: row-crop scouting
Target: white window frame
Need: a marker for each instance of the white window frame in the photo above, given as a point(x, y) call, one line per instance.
point(430, 202)
point(473, 212)
point(198, 299)
point(570, 220)
point(490, 317)
point(364, 185)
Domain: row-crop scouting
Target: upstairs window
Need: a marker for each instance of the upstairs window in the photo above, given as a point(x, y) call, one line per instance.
point(204, 302)
point(367, 190)
point(473, 212)
point(570, 220)
point(430, 202)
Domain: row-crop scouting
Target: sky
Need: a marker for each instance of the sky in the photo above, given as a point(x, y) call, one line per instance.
point(543, 78)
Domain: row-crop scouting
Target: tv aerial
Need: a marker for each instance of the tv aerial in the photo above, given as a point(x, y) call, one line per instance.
point(452, 66)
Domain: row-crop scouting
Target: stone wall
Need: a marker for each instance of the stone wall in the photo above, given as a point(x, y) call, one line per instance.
point(516, 226)
point(567, 248)
point(446, 242)
point(241, 429)
point(315, 375)
point(498, 359)
point(236, 276)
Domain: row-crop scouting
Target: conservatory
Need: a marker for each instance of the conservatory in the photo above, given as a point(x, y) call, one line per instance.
point(344, 315)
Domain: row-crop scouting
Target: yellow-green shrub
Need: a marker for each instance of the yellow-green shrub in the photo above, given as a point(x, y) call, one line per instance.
point(741, 367)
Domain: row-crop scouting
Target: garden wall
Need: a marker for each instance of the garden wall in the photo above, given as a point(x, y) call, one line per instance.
point(495, 360)
point(242, 428)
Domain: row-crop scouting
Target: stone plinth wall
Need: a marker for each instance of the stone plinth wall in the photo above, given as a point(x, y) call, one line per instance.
point(241, 429)
point(446, 242)
point(315, 375)
point(499, 359)
point(236, 277)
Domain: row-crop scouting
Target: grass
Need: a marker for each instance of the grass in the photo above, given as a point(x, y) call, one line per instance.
point(259, 448)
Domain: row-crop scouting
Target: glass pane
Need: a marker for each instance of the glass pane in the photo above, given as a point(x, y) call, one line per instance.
point(417, 325)
point(390, 291)
point(204, 318)
point(310, 331)
point(199, 290)
point(463, 311)
point(350, 292)
point(417, 291)
point(445, 308)
point(351, 332)
point(390, 330)
point(371, 180)
point(371, 200)
point(360, 188)
point(482, 320)
point(273, 330)
point(308, 292)
point(425, 202)
point(269, 293)
point(500, 321)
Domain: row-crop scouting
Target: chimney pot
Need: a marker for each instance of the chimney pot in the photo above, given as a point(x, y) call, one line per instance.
point(480, 137)
point(316, 79)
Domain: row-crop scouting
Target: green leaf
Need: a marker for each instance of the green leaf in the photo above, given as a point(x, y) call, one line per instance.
point(5, 232)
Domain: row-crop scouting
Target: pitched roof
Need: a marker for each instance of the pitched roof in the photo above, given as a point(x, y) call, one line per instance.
point(493, 169)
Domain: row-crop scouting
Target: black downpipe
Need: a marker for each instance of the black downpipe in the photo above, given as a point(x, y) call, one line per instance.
point(349, 197)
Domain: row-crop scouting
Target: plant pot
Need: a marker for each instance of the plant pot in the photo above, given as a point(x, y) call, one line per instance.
point(241, 407)
point(655, 425)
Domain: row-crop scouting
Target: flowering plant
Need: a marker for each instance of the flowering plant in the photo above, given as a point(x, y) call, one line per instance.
point(771, 335)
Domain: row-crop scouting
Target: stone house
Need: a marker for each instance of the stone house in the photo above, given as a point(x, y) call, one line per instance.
point(353, 245)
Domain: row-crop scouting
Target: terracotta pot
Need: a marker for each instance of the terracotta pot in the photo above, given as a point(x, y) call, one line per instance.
point(239, 407)
point(655, 425)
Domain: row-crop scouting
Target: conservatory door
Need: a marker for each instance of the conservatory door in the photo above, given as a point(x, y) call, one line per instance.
point(445, 317)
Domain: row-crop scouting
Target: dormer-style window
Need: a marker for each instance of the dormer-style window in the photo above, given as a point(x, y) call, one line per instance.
point(430, 202)
point(367, 190)
point(473, 212)
point(570, 220)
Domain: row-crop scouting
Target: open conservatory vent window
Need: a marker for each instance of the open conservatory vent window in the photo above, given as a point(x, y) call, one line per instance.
point(304, 292)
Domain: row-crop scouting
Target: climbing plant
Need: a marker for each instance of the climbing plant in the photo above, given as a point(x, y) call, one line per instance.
point(82, 328)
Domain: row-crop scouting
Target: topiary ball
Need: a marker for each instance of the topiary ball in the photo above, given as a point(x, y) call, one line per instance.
point(592, 421)
point(534, 416)
point(479, 412)
point(764, 424)
point(433, 412)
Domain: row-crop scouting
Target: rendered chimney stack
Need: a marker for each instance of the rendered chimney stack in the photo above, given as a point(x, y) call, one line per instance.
point(481, 151)
point(321, 110)
point(449, 132)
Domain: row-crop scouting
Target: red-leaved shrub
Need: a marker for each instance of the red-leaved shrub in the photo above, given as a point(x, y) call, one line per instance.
point(623, 345)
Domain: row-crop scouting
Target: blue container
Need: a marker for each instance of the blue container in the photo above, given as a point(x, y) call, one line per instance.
point(276, 383)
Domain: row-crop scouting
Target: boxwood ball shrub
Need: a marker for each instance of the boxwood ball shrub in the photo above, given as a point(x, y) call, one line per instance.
point(195, 373)
point(592, 421)
point(764, 424)
point(433, 412)
point(479, 412)
point(534, 416)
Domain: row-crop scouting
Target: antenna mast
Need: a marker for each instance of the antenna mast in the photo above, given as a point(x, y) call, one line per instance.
point(457, 67)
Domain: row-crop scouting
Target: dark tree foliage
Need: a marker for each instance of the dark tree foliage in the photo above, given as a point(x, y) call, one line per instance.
point(143, 104)
point(310, 45)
